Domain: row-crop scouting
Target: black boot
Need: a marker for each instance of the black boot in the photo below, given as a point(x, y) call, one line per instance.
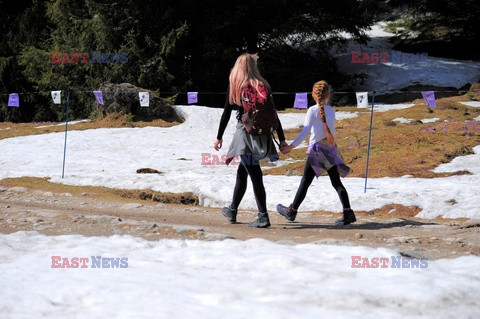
point(288, 212)
point(262, 221)
point(230, 213)
point(348, 217)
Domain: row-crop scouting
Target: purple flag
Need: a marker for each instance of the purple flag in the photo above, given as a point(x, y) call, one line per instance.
point(192, 97)
point(13, 100)
point(98, 96)
point(301, 101)
point(429, 97)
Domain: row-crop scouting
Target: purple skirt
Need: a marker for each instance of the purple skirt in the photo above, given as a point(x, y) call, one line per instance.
point(322, 157)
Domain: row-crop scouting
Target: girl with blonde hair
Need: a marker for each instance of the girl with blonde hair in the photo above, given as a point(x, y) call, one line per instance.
point(323, 154)
point(251, 148)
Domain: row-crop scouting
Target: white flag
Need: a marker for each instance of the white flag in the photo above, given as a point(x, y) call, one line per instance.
point(362, 99)
point(57, 97)
point(144, 98)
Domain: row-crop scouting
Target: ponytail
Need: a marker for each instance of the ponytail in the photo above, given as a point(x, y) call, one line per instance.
point(320, 94)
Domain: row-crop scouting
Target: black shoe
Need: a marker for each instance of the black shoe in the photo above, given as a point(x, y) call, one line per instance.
point(288, 212)
point(262, 221)
point(348, 218)
point(230, 213)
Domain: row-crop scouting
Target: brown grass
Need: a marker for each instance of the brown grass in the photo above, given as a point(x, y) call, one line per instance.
point(113, 120)
point(394, 211)
point(169, 198)
point(399, 149)
point(35, 183)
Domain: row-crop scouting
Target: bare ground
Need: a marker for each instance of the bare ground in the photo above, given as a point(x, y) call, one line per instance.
point(55, 213)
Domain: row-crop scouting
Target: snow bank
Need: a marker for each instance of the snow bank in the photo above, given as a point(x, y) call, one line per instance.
point(235, 279)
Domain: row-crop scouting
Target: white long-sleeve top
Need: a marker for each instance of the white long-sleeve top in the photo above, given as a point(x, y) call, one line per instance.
point(314, 125)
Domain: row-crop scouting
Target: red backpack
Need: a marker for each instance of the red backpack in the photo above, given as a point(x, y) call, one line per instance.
point(260, 115)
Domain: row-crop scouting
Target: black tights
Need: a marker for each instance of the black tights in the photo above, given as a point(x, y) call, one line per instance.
point(256, 176)
point(307, 179)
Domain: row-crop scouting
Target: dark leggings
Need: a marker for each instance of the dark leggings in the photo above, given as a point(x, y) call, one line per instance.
point(307, 179)
point(256, 176)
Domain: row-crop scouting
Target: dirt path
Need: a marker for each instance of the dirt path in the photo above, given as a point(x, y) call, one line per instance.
point(24, 209)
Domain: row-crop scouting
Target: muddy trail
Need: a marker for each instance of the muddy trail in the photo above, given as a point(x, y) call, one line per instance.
point(51, 213)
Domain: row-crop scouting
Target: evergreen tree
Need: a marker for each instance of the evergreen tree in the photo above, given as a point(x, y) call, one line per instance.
point(171, 45)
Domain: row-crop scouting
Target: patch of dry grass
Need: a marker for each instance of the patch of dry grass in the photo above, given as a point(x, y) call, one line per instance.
point(35, 183)
point(399, 149)
point(168, 198)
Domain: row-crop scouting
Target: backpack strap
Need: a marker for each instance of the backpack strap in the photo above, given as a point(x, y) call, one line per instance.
point(275, 140)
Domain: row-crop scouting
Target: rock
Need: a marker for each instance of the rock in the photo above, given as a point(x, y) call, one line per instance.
point(66, 194)
point(17, 189)
point(123, 98)
point(181, 229)
point(103, 219)
point(131, 206)
point(330, 241)
point(191, 210)
point(451, 201)
point(161, 206)
point(403, 240)
point(471, 223)
point(358, 235)
point(148, 171)
point(25, 213)
point(2, 189)
point(42, 193)
point(216, 236)
point(434, 226)
point(293, 173)
point(411, 253)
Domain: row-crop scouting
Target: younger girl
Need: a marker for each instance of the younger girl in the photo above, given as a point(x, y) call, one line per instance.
point(323, 154)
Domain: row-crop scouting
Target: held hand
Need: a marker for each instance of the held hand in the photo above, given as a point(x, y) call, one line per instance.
point(283, 144)
point(287, 149)
point(217, 145)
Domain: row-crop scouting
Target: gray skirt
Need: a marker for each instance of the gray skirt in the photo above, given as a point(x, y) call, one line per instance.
point(251, 148)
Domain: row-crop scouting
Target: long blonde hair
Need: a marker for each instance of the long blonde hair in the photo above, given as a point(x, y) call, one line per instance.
point(321, 93)
point(245, 70)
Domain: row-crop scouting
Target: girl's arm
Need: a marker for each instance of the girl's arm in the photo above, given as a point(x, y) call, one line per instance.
point(227, 112)
point(305, 131)
point(281, 135)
